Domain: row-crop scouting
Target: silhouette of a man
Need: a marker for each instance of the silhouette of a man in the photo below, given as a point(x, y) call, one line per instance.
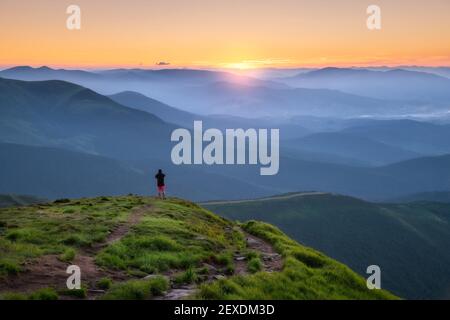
point(160, 184)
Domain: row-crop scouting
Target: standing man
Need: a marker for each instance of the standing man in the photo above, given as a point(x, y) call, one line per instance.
point(161, 185)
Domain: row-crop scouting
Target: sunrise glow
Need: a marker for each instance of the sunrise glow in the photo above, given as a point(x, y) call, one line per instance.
point(213, 34)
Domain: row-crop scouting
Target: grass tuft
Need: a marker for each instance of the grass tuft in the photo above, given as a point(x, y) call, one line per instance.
point(254, 265)
point(104, 283)
point(44, 294)
point(137, 289)
point(187, 277)
point(68, 255)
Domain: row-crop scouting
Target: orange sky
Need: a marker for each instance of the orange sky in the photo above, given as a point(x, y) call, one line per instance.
point(225, 33)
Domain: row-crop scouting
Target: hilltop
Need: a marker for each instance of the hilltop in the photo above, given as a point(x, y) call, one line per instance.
point(132, 247)
point(409, 241)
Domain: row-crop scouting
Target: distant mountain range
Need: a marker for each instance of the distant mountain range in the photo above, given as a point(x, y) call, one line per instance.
point(428, 174)
point(408, 241)
point(396, 84)
point(366, 151)
point(216, 92)
point(167, 113)
point(63, 116)
point(186, 119)
point(420, 137)
point(253, 100)
point(374, 142)
point(60, 139)
point(57, 173)
point(60, 114)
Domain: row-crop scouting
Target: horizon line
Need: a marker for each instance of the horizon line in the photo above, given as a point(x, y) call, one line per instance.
point(199, 67)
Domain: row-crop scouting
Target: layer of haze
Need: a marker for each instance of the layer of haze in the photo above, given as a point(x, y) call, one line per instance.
point(218, 33)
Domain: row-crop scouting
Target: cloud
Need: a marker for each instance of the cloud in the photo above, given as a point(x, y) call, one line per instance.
point(162, 63)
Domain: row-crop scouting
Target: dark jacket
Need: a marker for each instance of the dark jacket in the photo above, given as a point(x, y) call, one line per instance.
point(160, 179)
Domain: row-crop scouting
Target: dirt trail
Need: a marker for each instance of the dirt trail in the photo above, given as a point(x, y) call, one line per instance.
point(120, 231)
point(49, 271)
point(271, 262)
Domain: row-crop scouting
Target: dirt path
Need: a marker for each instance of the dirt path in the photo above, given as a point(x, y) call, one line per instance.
point(271, 262)
point(49, 271)
point(288, 196)
point(120, 231)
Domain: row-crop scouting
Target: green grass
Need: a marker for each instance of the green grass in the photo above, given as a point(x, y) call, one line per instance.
point(358, 233)
point(13, 296)
point(307, 274)
point(137, 289)
point(104, 283)
point(41, 294)
point(77, 293)
point(187, 277)
point(175, 235)
point(57, 228)
point(254, 265)
point(68, 255)
point(225, 259)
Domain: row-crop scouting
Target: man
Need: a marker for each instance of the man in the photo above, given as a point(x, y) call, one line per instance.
point(161, 185)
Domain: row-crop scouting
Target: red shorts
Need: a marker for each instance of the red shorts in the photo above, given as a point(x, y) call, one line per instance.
point(161, 188)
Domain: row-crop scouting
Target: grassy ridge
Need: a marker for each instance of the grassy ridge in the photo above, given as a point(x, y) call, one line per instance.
point(174, 242)
point(307, 274)
point(174, 235)
point(408, 241)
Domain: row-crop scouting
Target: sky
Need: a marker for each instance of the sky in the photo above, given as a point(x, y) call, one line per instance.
point(224, 33)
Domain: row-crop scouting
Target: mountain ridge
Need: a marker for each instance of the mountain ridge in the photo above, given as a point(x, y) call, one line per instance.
point(141, 248)
point(408, 241)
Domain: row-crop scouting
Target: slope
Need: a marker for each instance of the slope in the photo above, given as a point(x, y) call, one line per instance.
point(408, 241)
point(161, 110)
point(62, 114)
point(142, 248)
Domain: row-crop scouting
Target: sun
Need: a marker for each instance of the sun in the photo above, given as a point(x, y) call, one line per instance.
point(240, 65)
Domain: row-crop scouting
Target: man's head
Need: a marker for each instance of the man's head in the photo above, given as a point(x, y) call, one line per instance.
point(159, 171)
